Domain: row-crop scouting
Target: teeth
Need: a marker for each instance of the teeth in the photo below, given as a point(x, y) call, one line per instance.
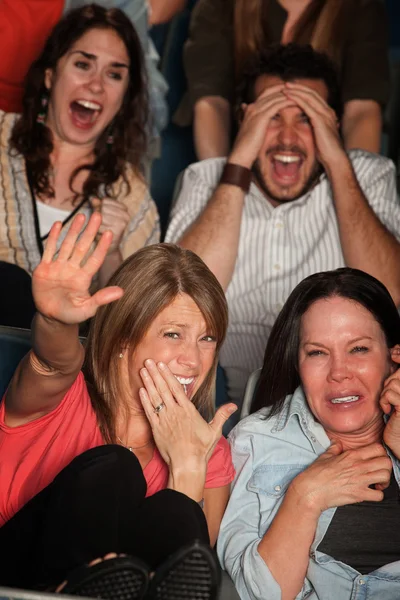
point(287, 159)
point(184, 380)
point(87, 104)
point(344, 399)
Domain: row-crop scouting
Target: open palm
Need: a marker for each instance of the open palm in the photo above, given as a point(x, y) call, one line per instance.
point(61, 283)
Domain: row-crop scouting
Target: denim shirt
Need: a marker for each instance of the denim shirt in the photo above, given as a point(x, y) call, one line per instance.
point(267, 455)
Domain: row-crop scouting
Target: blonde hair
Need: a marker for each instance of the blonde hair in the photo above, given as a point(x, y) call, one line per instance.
point(151, 279)
point(320, 25)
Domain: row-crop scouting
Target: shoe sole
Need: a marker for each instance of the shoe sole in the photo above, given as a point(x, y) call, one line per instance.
point(191, 574)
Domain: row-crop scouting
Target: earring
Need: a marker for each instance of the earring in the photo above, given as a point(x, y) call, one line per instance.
point(120, 355)
point(110, 136)
point(41, 118)
point(110, 141)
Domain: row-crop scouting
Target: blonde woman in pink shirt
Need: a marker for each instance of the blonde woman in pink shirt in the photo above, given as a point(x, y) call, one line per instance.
point(111, 449)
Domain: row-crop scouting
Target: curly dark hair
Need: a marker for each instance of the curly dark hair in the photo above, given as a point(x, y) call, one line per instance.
point(289, 62)
point(35, 141)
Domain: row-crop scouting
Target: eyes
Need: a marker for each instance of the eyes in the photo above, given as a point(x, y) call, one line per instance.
point(353, 350)
point(85, 65)
point(301, 118)
point(175, 335)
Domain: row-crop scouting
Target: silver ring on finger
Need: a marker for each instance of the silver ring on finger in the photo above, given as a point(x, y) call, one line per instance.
point(159, 408)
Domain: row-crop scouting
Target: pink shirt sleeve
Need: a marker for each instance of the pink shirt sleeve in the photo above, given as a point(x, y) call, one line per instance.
point(220, 469)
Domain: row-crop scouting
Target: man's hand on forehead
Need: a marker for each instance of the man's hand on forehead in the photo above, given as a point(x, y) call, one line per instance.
point(323, 120)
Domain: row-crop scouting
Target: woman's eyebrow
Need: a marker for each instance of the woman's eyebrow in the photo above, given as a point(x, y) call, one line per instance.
point(94, 57)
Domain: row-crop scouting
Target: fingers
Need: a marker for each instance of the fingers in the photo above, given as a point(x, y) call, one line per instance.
point(313, 105)
point(395, 353)
point(107, 295)
point(369, 452)
point(68, 244)
point(50, 248)
point(148, 408)
point(85, 241)
point(155, 385)
point(309, 94)
point(98, 255)
point(221, 416)
point(390, 395)
point(334, 449)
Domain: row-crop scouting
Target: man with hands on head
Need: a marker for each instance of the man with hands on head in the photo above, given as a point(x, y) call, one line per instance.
point(288, 201)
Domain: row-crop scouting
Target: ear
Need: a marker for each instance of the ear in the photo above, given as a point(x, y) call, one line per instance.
point(48, 78)
point(395, 357)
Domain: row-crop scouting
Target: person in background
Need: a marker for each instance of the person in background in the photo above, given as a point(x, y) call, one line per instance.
point(288, 201)
point(79, 143)
point(314, 508)
point(225, 34)
point(162, 12)
point(116, 447)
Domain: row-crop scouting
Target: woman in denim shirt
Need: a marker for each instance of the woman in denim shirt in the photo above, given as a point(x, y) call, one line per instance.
point(314, 511)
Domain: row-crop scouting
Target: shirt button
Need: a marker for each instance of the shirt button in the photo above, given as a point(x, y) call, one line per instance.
point(313, 438)
point(277, 488)
point(279, 225)
point(312, 555)
point(277, 267)
point(361, 581)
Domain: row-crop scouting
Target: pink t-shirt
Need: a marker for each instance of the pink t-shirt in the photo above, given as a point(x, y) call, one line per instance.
point(31, 455)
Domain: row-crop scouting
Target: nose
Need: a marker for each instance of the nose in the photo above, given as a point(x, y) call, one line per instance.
point(95, 84)
point(189, 356)
point(339, 370)
point(287, 135)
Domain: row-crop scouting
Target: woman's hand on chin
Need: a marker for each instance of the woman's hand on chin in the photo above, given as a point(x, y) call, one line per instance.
point(390, 403)
point(184, 439)
point(61, 281)
point(340, 477)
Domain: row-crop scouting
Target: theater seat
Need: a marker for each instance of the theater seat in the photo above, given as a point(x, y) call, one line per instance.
point(249, 393)
point(14, 344)
point(13, 594)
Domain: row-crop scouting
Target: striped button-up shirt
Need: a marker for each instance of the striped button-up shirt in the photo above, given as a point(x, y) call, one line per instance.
point(278, 247)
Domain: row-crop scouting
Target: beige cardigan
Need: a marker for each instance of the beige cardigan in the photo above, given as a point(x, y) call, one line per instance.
point(18, 239)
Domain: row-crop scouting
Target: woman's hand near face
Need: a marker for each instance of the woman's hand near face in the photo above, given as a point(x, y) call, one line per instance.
point(390, 403)
point(184, 439)
point(61, 282)
point(340, 477)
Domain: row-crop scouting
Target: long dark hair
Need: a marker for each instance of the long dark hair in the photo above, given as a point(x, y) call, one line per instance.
point(279, 376)
point(35, 141)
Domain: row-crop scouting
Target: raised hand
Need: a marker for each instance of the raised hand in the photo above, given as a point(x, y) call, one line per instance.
point(61, 282)
point(184, 439)
point(337, 478)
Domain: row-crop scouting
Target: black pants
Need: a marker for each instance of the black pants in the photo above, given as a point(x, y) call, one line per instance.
point(16, 302)
point(94, 506)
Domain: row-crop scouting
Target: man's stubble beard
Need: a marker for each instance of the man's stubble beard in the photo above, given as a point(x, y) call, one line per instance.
point(309, 184)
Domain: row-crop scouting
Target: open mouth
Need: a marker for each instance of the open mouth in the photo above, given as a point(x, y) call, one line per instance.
point(343, 400)
point(187, 383)
point(84, 113)
point(286, 167)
